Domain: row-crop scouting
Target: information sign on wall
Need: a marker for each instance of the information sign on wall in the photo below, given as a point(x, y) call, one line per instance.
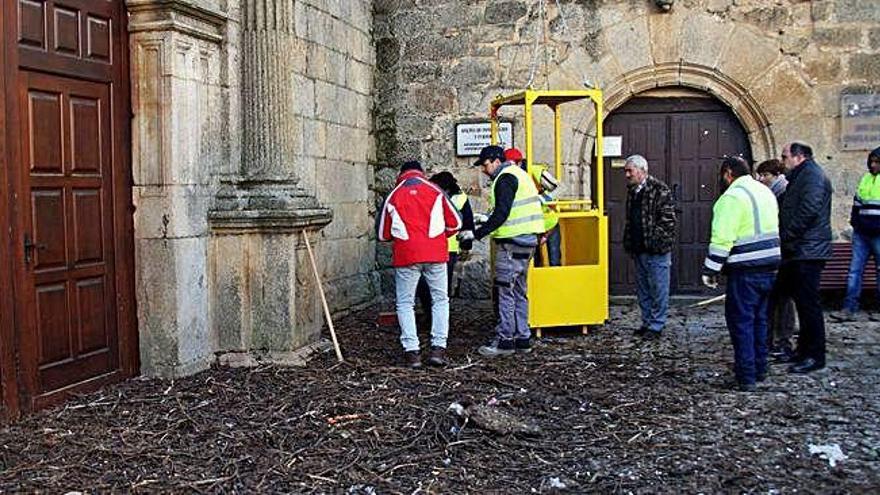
point(470, 138)
point(860, 122)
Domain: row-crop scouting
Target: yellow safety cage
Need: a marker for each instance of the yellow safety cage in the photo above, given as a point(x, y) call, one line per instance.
point(575, 293)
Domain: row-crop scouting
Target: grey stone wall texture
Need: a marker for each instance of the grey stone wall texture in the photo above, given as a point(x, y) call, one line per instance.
point(252, 122)
point(781, 66)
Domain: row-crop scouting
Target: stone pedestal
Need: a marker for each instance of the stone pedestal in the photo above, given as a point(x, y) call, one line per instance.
point(261, 300)
point(264, 298)
point(180, 124)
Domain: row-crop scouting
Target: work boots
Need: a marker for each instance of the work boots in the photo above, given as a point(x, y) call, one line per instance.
point(412, 359)
point(497, 347)
point(844, 315)
point(437, 356)
point(522, 346)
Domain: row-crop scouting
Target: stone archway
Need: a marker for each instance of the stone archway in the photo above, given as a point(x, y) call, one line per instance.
point(703, 78)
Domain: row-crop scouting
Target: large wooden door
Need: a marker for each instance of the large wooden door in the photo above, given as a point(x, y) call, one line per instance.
point(684, 140)
point(69, 118)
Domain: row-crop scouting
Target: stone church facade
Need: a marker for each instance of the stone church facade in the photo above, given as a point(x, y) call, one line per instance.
point(255, 123)
point(251, 124)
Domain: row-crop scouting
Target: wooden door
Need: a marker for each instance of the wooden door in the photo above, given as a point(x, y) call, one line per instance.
point(647, 134)
point(69, 121)
point(684, 140)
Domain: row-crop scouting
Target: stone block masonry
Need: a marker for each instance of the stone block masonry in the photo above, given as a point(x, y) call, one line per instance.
point(781, 68)
point(252, 123)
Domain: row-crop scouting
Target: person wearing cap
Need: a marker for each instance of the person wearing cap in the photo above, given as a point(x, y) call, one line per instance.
point(417, 217)
point(514, 225)
point(546, 185)
point(459, 199)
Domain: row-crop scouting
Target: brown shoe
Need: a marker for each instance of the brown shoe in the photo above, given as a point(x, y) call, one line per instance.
point(412, 359)
point(437, 356)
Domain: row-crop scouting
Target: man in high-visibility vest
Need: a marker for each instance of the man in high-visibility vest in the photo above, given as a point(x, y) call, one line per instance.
point(546, 185)
point(514, 225)
point(865, 221)
point(745, 246)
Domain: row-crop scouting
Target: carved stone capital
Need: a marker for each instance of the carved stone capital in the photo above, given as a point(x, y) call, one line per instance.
point(183, 16)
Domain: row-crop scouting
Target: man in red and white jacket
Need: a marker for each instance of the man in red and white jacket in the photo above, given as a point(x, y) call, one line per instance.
point(417, 217)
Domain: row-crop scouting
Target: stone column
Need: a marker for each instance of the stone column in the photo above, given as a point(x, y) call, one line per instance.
point(258, 304)
point(271, 137)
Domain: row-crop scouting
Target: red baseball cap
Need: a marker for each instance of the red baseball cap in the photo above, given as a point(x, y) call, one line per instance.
point(513, 155)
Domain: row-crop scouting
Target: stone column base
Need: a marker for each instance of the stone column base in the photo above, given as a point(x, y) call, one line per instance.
point(262, 293)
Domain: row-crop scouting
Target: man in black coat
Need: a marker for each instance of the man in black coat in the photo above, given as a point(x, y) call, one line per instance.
point(805, 231)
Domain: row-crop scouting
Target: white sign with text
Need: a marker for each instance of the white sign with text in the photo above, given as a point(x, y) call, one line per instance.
point(471, 138)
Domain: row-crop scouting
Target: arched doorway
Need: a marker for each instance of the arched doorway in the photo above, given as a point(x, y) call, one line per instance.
point(683, 134)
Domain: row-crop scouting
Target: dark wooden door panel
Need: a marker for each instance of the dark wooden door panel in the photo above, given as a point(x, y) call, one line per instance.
point(683, 141)
point(699, 142)
point(71, 36)
point(68, 171)
point(644, 135)
point(65, 115)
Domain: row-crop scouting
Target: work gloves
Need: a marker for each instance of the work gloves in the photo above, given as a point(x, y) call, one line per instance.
point(710, 281)
point(480, 218)
point(465, 235)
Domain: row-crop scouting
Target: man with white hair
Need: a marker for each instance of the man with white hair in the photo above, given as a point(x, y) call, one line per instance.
point(648, 236)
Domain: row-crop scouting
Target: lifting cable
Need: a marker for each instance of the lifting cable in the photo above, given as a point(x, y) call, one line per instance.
point(533, 63)
point(541, 39)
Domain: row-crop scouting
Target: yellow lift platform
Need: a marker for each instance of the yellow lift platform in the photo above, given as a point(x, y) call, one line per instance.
point(575, 293)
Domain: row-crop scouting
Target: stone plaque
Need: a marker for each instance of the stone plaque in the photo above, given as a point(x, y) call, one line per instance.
point(471, 137)
point(860, 122)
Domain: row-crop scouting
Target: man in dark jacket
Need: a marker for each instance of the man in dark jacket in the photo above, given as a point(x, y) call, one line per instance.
point(648, 236)
point(865, 221)
point(805, 229)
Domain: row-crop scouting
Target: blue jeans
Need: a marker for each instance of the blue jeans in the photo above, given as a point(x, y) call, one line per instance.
point(554, 249)
point(652, 287)
point(406, 278)
point(745, 309)
point(863, 247)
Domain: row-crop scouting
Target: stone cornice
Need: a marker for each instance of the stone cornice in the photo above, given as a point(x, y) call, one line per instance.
point(183, 16)
point(268, 221)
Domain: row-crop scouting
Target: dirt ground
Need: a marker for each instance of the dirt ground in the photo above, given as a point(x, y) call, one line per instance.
point(615, 414)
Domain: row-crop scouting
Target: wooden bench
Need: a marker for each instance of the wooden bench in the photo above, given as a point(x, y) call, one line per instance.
point(837, 268)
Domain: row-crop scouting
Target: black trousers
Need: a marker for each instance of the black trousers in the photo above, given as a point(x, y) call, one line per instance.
point(800, 281)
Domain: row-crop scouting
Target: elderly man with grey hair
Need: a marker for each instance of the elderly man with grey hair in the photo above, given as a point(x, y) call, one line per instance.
point(648, 236)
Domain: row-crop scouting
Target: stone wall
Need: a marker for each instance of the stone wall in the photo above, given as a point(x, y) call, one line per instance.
point(781, 66)
point(244, 135)
point(334, 95)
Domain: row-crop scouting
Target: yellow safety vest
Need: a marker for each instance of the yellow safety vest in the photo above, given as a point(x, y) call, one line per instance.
point(551, 217)
point(458, 201)
point(525, 216)
point(868, 194)
point(745, 228)
point(866, 205)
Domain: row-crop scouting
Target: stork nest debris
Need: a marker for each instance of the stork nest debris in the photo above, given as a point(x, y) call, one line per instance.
point(607, 412)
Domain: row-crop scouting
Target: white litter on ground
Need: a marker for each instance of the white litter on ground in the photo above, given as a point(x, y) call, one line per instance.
point(831, 452)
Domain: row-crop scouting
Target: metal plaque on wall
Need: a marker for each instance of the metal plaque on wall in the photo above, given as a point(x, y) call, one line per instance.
point(860, 122)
